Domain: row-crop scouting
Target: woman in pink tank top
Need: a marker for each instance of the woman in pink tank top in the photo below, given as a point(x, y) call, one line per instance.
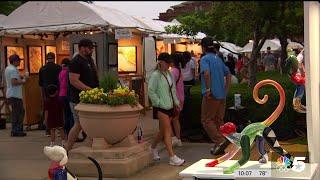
point(63, 94)
point(178, 63)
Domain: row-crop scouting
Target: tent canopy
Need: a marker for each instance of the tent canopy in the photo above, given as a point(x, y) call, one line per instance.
point(159, 26)
point(274, 44)
point(234, 48)
point(55, 16)
point(156, 25)
point(2, 18)
point(294, 45)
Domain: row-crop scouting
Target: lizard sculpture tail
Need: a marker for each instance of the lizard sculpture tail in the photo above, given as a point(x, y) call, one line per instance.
point(281, 104)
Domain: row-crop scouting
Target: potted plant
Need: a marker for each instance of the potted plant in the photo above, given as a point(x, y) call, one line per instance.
point(109, 113)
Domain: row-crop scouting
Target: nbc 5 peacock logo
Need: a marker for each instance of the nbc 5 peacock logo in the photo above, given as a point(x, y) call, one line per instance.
point(284, 164)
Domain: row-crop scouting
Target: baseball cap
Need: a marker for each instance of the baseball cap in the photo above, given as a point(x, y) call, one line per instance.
point(51, 55)
point(85, 43)
point(165, 57)
point(14, 58)
point(207, 42)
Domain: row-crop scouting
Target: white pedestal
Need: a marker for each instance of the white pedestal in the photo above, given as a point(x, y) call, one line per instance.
point(199, 171)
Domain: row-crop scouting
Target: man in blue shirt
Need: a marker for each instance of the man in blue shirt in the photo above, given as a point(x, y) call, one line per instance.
point(214, 90)
point(14, 94)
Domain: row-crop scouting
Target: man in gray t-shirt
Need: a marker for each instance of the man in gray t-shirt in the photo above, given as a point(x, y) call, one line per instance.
point(14, 82)
point(269, 61)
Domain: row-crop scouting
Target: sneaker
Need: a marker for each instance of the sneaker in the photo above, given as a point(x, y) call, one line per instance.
point(47, 134)
point(51, 144)
point(18, 134)
point(41, 127)
point(155, 154)
point(179, 143)
point(176, 161)
point(174, 141)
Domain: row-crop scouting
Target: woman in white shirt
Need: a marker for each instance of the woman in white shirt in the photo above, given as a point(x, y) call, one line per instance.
point(188, 73)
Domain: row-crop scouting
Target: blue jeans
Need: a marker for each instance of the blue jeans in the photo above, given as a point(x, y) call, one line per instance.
point(299, 91)
point(68, 117)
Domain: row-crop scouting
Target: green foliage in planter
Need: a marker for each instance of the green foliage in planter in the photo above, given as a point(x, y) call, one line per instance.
point(108, 82)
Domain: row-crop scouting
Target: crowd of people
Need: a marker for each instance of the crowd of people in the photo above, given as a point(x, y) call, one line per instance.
point(60, 88)
point(168, 86)
point(165, 90)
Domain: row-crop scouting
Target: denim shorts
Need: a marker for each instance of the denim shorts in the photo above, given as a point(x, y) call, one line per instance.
point(74, 113)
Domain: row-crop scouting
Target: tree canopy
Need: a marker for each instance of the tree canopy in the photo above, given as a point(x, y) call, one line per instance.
point(238, 22)
point(6, 7)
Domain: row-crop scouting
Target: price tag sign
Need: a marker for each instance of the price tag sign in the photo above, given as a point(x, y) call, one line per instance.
point(252, 173)
point(123, 34)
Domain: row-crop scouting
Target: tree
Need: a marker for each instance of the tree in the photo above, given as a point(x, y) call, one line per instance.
point(235, 22)
point(289, 25)
point(6, 7)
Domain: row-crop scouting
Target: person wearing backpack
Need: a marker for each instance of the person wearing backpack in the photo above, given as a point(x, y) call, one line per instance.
point(48, 75)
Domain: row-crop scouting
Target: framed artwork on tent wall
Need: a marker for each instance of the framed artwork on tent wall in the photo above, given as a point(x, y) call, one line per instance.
point(52, 49)
point(127, 59)
point(65, 45)
point(94, 53)
point(34, 59)
point(10, 50)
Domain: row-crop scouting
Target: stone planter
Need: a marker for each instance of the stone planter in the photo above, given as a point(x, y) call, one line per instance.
point(106, 123)
point(114, 146)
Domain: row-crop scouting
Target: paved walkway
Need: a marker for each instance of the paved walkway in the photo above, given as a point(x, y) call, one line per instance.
point(22, 158)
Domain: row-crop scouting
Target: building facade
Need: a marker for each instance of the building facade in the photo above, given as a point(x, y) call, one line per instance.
point(183, 8)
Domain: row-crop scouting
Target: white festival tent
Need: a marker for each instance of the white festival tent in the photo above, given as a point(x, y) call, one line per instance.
point(232, 47)
point(2, 18)
point(159, 26)
point(57, 16)
point(294, 45)
point(274, 44)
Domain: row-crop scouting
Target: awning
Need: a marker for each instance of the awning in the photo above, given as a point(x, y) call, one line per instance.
point(54, 16)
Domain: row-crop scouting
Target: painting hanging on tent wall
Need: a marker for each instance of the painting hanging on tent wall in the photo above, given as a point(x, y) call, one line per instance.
point(127, 59)
point(160, 47)
point(35, 59)
point(10, 50)
point(52, 49)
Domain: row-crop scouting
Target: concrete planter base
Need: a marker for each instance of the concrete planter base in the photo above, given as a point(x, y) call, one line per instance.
point(115, 162)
